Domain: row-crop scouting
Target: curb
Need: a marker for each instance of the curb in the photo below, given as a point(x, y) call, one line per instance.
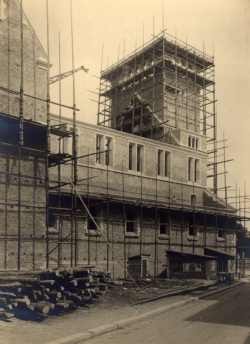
point(104, 329)
point(100, 330)
point(173, 293)
point(218, 291)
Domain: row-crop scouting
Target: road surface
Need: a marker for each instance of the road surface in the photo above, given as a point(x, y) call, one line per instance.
point(219, 319)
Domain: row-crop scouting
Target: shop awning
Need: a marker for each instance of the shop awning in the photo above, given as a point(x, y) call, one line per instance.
point(140, 256)
point(218, 253)
point(190, 255)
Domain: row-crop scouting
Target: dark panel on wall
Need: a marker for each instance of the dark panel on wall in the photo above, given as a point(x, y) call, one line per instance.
point(9, 130)
point(35, 134)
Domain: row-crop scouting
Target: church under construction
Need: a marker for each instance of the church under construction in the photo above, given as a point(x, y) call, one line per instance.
point(135, 195)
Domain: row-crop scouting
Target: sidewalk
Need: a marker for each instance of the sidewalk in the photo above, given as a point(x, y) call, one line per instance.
point(80, 321)
point(21, 332)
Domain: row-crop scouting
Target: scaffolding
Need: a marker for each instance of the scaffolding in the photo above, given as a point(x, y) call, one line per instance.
point(26, 154)
point(74, 187)
point(166, 84)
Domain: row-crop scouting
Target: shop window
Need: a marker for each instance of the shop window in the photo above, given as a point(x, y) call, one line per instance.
point(192, 267)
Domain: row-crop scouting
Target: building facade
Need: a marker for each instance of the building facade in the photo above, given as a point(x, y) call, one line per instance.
point(129, 195)
point(148, 215)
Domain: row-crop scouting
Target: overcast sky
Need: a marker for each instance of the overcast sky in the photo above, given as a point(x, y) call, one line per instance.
point(222, 26)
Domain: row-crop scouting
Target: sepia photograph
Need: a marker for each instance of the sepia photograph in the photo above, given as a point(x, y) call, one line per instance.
point(124, 183)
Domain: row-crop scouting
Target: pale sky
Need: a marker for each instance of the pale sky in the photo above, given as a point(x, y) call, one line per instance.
point(222, 26)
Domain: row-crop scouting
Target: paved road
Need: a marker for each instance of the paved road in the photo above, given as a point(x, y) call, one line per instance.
point(218, 319)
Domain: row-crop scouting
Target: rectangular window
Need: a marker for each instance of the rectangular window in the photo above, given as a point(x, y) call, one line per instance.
point(92, 225)
point(196, 170)
point(192, 267)
point(193, 201)
point(163, 163)
point(131, 223)
point(136, 157)
point(167, 164)
point(164, 225)
point(190, 169)
point(109, 153)
point(192, 229)
point(131, 226)
point(104, 150)
point(197, 144)
point(160, 162)
point(67, 145)
point(140, 158)
point(193, 142)
point(221, 235)
point(99, 148)
point(131, 151)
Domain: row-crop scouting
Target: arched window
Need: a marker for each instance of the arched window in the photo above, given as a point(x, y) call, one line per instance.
point(193, 201)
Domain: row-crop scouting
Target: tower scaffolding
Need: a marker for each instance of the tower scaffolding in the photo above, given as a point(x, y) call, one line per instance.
point(170, 63)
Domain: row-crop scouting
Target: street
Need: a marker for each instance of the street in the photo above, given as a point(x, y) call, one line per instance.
point(223, 318)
